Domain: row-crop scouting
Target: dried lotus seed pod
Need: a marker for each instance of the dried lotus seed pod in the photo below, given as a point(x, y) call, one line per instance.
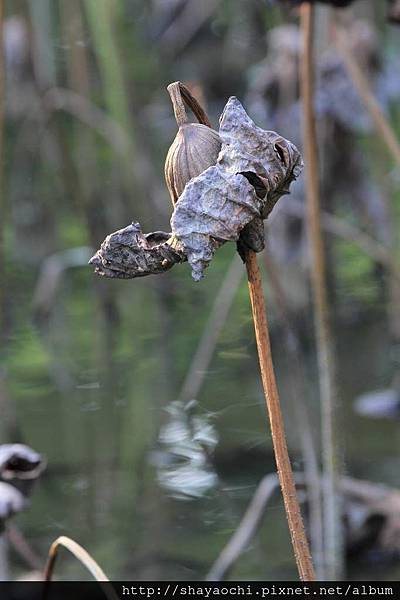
point(195, 147)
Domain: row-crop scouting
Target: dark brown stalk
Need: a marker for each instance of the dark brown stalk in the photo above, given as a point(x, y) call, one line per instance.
point(332, 546)
point(301, 415)
point(292, 507)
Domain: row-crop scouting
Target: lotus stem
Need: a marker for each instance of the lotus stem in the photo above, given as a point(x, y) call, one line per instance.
point(291, 502)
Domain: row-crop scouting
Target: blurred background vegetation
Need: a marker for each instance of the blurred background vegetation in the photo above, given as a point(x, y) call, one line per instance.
point(153, 450)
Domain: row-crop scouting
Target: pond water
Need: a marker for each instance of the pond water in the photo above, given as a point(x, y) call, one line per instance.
point(94, 384)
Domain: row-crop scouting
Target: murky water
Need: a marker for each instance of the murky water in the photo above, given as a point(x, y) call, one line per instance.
point(129, 471)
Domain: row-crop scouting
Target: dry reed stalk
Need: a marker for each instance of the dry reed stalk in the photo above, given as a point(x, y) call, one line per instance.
point(246, 529)
point(84, 558)
point(362, 85)
point(326, 367)
point(347, 231)
point(292, 507)
point(389, 138)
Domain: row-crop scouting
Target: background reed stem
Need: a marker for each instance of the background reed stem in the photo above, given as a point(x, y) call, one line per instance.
point(326, 369)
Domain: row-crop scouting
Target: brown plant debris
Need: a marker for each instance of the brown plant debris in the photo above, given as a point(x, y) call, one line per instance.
point(227, 202)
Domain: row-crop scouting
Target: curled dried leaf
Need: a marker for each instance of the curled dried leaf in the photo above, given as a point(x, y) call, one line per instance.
point(129, 253)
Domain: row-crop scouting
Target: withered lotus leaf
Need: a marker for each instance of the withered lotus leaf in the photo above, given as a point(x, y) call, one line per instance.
point(227, 202)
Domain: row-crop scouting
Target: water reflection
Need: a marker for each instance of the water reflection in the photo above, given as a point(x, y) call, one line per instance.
point(186, 441)
point(379, 403)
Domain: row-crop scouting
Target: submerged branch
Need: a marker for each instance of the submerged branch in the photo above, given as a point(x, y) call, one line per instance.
point(370, 499)
point(246, 530)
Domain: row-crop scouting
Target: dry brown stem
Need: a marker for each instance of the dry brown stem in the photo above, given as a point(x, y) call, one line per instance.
point(292, 507)
point(301, 414)
point(84, 557)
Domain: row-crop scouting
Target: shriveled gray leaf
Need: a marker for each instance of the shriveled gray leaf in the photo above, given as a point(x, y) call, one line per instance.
point(217, 205)
point(213, 209)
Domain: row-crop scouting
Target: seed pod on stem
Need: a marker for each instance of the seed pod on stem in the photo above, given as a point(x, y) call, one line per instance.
point(195, 147)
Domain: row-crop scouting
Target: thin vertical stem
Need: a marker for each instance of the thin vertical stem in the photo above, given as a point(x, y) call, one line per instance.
point(101, 16)
point(302, 417)
point(103, 19)
point(326, 368)
point(362, 85)
point(292, 507)
point(44, 63)
point(389, 138)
